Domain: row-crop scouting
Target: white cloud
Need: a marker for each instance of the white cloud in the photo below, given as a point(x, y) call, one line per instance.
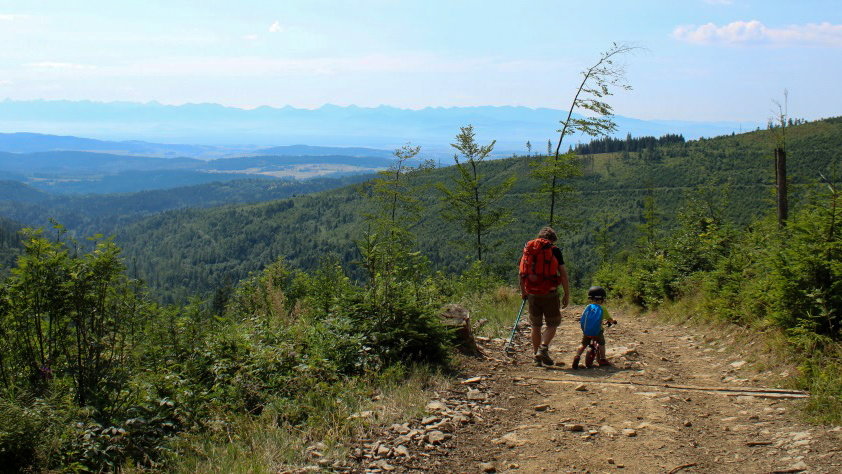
point(276, 27)
point(719, 2)
point(755, 32)
point(250, 37)
point(59, 65)
point(4, 82)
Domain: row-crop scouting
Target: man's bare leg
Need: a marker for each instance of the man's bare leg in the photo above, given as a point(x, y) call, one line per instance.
point(546, 338)
point(549, 334)
point(536, 338)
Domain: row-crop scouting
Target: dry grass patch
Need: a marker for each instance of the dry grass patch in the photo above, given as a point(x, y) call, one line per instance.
point(268, 444)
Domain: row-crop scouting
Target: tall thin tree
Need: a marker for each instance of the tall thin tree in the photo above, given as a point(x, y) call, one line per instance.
point(598, 82)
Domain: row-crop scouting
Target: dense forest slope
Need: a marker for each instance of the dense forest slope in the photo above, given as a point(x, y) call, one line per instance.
point(9, 243)
point(199, 250)
point(90, 214)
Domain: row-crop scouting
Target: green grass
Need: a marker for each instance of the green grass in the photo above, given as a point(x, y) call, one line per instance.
point(821, 375)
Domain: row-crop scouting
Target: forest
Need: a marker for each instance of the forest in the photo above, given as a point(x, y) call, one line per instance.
point(630, 144)
point(90, 214)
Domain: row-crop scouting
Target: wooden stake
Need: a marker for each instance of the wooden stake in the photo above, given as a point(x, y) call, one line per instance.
point(780, 184)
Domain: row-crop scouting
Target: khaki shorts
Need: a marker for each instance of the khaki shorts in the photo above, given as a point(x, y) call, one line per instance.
point(600, 339)
point(545, 309)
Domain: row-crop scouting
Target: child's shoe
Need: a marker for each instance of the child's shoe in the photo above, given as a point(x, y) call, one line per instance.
point(576, 362)
point(604, 363)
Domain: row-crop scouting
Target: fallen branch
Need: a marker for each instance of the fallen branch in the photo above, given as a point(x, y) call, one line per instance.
point(767, 395)
point(733, 391)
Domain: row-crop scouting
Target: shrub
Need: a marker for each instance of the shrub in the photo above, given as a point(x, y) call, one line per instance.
point(401, 330)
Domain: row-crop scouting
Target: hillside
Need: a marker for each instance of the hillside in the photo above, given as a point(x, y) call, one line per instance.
point(90, 214)
point(23, 142)
point(187, 251)
point(83, 163)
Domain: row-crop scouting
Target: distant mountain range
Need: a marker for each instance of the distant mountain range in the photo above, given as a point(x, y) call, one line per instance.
point(27, 142)
point(219, 128)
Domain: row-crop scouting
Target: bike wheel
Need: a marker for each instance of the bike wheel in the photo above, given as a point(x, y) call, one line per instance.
point(590, 356)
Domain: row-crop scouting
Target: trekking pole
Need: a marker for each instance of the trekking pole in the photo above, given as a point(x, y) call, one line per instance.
point(508, 349)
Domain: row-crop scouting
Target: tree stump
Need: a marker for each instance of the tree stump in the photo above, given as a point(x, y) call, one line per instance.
point(458, 319)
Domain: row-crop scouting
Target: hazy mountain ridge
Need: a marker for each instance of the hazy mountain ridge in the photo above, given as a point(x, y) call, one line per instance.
point(26, 142)
point(329, 125)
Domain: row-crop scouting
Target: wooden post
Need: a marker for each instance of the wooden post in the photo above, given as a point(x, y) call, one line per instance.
point(780, 183)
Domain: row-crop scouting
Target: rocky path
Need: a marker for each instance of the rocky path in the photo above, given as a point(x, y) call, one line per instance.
point(675, 400)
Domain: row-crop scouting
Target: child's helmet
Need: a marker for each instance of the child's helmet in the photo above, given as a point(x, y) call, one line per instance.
point(597, 292)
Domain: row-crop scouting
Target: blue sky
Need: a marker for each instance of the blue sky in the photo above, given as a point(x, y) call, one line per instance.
point(703, 59)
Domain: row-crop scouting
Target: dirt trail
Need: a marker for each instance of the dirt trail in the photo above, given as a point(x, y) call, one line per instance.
point(520, 418)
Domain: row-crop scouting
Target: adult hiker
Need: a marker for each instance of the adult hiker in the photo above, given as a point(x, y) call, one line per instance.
point(541, 271)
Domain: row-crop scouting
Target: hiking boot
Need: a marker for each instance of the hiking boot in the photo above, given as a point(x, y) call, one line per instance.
point(543, 355)
point(537, 361)
point(576, 362)
point(604, 363)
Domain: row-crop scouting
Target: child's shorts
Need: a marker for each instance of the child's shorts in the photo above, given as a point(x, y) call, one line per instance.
point(600, 339)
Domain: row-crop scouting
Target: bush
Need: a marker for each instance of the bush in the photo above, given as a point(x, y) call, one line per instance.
point(371, 336)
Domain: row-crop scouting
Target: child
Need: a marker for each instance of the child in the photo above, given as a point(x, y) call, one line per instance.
point(591, 321)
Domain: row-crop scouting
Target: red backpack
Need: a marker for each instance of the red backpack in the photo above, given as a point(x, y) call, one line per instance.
point(538, 263)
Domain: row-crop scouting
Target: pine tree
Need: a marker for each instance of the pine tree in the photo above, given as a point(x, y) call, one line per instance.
point(474, 202)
